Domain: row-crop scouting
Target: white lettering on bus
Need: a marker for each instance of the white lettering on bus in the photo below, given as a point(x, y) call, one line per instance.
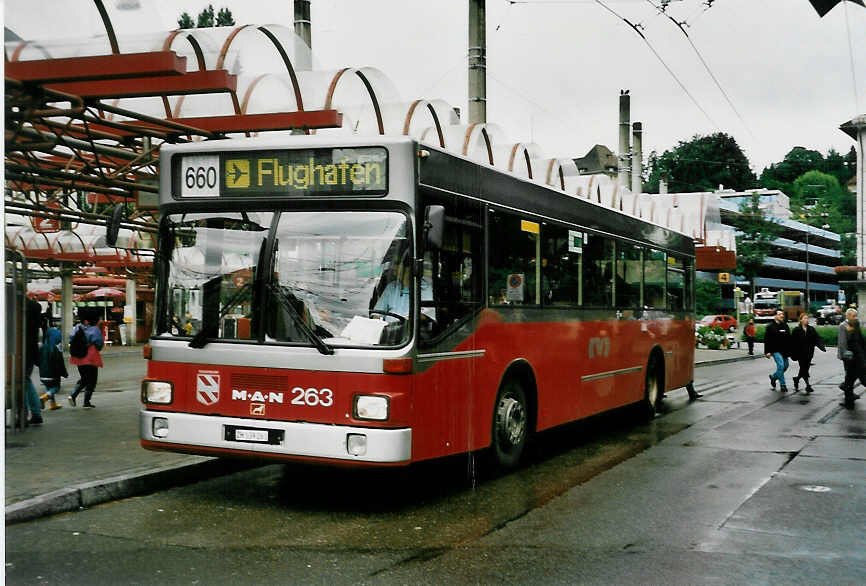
point(257, 396)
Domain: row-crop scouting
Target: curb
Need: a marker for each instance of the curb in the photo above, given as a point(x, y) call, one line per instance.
point(727, 360)
point(88, 494)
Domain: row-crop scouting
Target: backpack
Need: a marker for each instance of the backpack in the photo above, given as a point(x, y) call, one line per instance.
point(78, 345)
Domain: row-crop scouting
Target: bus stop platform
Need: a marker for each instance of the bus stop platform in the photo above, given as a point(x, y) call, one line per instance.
point(82, 457)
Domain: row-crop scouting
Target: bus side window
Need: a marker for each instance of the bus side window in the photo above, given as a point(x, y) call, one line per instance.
point(598, 252)
point(629, 274)
point(562, 251)
point(676, 284)
point(655, 262)
point(512, 264)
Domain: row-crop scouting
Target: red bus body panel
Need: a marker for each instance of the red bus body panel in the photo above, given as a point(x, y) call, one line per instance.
point(448, 403)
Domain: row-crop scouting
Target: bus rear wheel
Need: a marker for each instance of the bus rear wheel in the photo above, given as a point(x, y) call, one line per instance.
point(510, 425)
point(653, 387)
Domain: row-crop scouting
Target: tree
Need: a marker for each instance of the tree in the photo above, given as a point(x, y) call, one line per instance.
point(185, 21)
point(819, 200)
point(225, 18)
point(800, 160)
point(702, 164)
point(755, 234)
point(206, 19)
point(708, 296)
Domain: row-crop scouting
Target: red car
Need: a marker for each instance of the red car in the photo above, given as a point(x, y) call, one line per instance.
point(726, 322)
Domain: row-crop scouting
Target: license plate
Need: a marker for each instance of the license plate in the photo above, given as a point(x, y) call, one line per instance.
point(253, 435)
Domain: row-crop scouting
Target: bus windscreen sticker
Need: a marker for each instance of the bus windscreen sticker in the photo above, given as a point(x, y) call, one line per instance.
point(304, 172)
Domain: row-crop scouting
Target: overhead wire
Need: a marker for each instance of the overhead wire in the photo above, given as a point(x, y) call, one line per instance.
point(682, 29)
point(637, 29)
point(851, 57)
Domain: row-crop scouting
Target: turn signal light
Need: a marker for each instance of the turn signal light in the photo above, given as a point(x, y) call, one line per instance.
point(397, 365)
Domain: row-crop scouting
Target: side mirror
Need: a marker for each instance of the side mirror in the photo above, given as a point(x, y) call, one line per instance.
point(434, 226)
point(113, 225)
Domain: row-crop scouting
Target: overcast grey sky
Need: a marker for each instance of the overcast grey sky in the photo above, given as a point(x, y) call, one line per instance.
point(555, 67)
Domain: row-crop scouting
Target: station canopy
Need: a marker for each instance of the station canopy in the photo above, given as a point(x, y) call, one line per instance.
point(93, 88)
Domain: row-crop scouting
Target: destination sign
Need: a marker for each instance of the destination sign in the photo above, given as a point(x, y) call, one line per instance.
point(305, 172)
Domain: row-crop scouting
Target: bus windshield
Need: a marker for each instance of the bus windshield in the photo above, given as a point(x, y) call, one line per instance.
point(335, 278)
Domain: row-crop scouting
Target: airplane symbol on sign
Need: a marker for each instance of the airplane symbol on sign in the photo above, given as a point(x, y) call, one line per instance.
point(237, 173)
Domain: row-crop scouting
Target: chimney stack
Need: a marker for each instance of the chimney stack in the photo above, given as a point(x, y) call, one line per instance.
point(624, 170)
point(637, 158)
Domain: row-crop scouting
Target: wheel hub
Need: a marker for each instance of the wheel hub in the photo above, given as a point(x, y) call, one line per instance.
point(512, 420)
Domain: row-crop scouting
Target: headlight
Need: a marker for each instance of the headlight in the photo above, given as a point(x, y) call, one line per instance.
point(371, 407)
point(156, 391)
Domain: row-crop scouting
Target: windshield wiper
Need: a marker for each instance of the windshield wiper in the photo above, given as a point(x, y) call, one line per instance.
point(201, 337)
point(286, 302)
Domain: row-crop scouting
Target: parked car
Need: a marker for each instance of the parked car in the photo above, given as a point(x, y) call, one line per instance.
point(830, 314)
point(726, 322)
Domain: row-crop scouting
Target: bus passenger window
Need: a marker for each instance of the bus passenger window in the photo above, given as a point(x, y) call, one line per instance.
point(676, 284)
point(561, 248)
point(654, 279)
point(597, 271)
point(512, 268)
point(629, 274)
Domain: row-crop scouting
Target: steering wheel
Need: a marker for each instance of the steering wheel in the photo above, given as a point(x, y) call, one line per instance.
point(389, 314)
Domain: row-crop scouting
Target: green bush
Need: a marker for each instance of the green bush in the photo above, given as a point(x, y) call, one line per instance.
point(713, 338)
point(829, 334)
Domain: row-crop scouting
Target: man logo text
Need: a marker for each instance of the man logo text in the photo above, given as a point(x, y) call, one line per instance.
point(257, 396)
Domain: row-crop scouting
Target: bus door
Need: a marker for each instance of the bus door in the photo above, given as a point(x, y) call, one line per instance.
point(447, 361)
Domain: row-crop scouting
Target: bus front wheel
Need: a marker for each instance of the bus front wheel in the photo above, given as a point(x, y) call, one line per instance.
point(510, 425)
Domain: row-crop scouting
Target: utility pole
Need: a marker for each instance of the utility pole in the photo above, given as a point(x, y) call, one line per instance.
point(477, 63)
point(808, 297)
point(303, 36)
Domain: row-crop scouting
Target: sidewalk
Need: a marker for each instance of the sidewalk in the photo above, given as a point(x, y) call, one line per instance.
point(83, 457)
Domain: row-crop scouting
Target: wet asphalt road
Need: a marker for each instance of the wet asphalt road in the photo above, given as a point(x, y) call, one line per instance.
point(706, 493)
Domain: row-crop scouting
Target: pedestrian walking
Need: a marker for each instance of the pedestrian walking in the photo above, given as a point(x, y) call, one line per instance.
point(751, 332)
point(852, 353)
point(777, 345)
point(51, 366)
point(84, 345)
point(804, 340)
point(31, 359)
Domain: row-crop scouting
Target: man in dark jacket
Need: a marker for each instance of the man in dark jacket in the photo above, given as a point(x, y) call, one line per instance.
point(777, 344)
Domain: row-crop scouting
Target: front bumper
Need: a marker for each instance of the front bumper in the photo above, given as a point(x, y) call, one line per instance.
point(303, 440)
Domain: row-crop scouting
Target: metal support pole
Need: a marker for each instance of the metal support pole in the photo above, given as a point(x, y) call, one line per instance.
point(303, 60)
point(637, 158)
point(66, 295)
point(477, 63)
point(808, 296)
point(129, 313)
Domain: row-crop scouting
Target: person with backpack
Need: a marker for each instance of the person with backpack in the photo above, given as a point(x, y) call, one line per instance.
point(84, 345)
point(52, 366)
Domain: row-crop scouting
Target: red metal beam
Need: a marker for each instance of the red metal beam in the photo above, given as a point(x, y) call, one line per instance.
point(261, 122)
point(715, 258)
point(97, 67)
point(197, 82)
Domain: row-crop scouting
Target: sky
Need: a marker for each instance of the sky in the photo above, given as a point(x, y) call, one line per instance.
point(776, 75)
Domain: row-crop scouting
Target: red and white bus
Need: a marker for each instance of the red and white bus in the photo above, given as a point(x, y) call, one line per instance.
point(384, 302)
